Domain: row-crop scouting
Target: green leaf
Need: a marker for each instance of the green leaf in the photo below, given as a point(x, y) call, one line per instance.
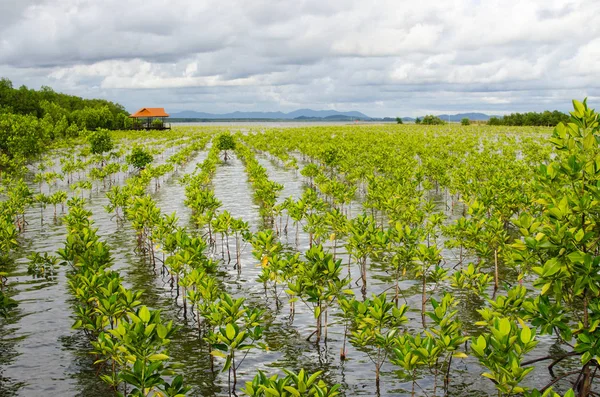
point(144, 314)
point(158, 357)
point(525, 334)
point(162, 331)
point(569, 393)
point(504, 326)
point(292, 390)
point(579, 108)
point(546, 287)
point(230, 331)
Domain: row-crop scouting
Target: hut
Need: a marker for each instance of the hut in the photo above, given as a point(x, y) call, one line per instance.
point(150, 119)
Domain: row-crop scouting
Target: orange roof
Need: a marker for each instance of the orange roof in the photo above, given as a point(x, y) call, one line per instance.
point(150, 112)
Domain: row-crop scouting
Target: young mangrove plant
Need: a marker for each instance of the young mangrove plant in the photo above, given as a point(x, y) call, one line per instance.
point(236, 328)
point(317, 283)
point(375, 323)
point(292, 385)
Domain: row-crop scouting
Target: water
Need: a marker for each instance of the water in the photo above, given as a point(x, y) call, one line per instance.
point(40, 354)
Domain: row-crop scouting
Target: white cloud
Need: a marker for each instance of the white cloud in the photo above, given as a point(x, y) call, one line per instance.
point(385, 57)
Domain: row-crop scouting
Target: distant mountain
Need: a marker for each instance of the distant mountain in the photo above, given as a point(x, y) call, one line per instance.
point(313, 115)
point(333, 117)
point(295, 115)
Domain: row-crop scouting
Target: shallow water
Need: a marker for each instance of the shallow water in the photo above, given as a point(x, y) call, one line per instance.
point(40, 354)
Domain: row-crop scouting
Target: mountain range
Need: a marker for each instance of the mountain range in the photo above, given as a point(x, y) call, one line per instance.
point(310, 114)
point(300, 113)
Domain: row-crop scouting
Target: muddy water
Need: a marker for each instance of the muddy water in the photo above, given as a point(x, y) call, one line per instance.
point(40, 355)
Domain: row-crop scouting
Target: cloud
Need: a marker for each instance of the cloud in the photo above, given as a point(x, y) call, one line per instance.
point(384, 58)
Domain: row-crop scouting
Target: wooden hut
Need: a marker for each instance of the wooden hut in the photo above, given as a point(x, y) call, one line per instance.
point(150, 119)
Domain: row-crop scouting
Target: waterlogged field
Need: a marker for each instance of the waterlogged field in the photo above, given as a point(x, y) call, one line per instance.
point(385, 260)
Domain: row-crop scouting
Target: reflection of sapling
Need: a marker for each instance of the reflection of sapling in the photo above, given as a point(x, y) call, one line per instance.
point(139, 158)
point(6, 304)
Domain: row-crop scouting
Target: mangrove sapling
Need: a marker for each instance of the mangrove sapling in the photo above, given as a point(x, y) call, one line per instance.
point(264, 247)
point(375, 323)
point(100, 143)
point(136, 350)
point(432, 225)
point(109, 353)
point(277, 270)
point(338, 224)
point(118, 198)
point(236, 328)
point(80, 186)
point(112, 169)
point(429, 258)
point(297, 211)
point(472, 279)
point(239, 229)
point(317, 284)
point(58, 197)
point(406, 357)
point(225, 142)
point(292, 385)
point(8, 236)
point(43, 200)
point(501, 351)
point(515, 306)
point(13, 210)
point(359, 244)
point(310, 171)
point(204, 206)
point(168, 234)
point(203, 291)
point(494, 238)
point(315, 227)
point(404, 243)
point(447, 335)
point(222, 225)
point(145, 337)
point(188, 255)
point(144, 216)
point(139, 158)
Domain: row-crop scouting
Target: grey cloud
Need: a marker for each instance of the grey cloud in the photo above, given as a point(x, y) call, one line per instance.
point(384, 58)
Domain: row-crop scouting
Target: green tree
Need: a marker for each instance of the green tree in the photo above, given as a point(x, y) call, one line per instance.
point(21, 135)
point(225, 142)
point(494, 121)
point(465, 121)
point(139, 158)
point(432, 120)
point(100, 141)
point(561, 241)
point(399, 120)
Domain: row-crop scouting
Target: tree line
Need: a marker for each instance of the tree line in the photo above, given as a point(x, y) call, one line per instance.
point(31, 118)
point(546, 118)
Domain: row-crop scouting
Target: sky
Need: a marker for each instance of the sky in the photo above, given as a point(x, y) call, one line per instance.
point(380, 57)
